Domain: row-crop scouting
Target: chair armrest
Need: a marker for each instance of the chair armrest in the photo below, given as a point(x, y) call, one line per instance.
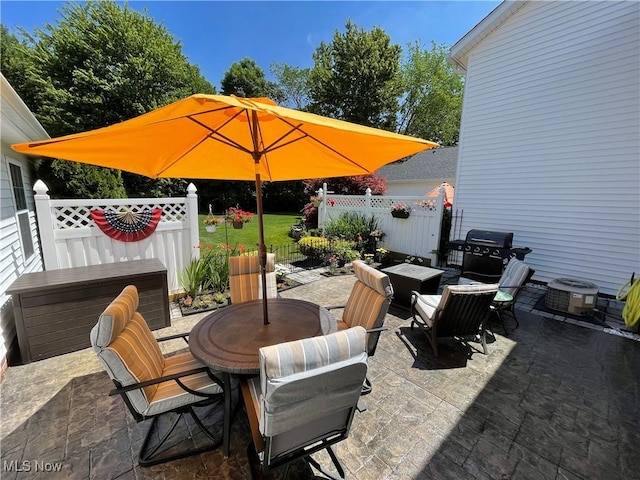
point(173, 337)
point(166, 378)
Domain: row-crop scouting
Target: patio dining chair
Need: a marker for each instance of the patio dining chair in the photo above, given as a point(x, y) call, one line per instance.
point(367, 306)
point(151, 384)
point(304, 400)
point(513, 280)
point(460, 312)
point(245, 280)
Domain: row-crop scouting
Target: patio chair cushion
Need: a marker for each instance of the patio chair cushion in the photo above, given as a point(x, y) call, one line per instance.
point(513, 276)
point(426, 306)
point(298, 380)
point(245, 280)
point(369, 300)
point(169, 395)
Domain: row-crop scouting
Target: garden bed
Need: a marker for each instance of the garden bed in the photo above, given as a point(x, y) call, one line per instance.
point(199, 304)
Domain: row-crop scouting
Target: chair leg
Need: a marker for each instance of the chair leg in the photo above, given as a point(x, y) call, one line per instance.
point(366, 387)
point(512, 309)
point(336, 463)
point(483, 339)
point(154, 455)
point(434, 344)
point(499, 315)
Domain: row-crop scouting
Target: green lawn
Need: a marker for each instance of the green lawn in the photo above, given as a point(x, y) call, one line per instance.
point(276, 228)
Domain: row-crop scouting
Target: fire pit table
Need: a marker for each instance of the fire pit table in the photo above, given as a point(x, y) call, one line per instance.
point(406, 277)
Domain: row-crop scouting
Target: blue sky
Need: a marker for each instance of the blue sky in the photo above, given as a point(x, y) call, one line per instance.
point(216, 34)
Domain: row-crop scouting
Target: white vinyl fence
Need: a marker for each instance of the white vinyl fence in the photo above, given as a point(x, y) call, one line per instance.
point(417, 235)
point(70, 238)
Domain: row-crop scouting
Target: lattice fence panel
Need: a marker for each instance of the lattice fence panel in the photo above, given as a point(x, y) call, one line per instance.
point(78, 216)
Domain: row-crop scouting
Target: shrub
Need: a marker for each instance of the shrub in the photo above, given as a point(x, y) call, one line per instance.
point(344, 251)
point(354, 227)
point(193, 277)
point(314, 247)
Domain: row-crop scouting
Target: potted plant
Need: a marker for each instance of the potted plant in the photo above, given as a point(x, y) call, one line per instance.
point(210, 223)
point(400, 211)
point(238, 217)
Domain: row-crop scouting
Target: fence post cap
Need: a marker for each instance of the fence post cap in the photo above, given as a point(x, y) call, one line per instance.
point(40, 187)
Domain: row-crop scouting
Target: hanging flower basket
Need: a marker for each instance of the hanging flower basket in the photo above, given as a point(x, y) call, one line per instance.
point(400, 213)
point(210, 222)
point(316, 201)
point(237, 217)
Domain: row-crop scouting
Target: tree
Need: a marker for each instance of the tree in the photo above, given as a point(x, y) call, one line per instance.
point(433, 96)
point(355, 185)
point(246, 79)
point(293, 83)
point(356, 78)
point(100, 64)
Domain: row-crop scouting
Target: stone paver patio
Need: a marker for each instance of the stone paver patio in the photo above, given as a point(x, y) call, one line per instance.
point(554, 400)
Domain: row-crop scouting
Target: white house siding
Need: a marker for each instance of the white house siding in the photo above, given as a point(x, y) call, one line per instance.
point(12, 261)
point(18, 125)
point(550, 138)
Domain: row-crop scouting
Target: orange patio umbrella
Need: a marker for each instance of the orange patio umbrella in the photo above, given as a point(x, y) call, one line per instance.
point(232, 138)
point(448, 193)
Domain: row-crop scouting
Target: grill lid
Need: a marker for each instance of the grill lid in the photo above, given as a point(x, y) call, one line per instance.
point(489, 238)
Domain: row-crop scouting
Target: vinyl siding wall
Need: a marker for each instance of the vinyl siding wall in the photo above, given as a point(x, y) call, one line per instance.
point(550, 138)
point(12, 261)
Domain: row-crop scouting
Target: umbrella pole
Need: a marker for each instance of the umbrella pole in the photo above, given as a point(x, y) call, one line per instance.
point(262, 250)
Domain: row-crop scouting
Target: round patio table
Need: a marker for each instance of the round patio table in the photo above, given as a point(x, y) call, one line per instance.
point(228, 340)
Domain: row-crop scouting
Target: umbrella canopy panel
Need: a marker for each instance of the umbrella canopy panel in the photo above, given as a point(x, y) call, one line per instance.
point(212, 137)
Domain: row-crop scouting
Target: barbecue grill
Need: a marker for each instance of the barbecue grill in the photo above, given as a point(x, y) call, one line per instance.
point(485, 253)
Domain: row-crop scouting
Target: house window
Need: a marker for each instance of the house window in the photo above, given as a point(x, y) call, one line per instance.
point(22, 214)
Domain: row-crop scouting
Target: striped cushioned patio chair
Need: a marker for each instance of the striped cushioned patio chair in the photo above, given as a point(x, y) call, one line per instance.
point(150, 384)
point(304, 399)
point(367, 306)
point(460, 312)
point(245, 281)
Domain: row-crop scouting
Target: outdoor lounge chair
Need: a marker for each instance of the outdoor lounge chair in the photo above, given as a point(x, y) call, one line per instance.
point(512, 281)
point(150, 384)
point(367, 306)
point(245, 280)
point(460, 312)
point(304, 399)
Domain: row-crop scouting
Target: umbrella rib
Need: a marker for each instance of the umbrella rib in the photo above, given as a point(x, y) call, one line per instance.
point(297, 127)
point(183, 155)
point(213, 132)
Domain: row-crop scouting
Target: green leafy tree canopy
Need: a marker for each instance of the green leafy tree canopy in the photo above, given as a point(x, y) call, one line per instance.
point(100, 64)
point(433, 95)
point(356, 78)
point(246, 79)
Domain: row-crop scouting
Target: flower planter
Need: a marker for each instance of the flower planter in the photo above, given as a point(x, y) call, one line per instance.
point(237, 225)
point(316, 203)
point(399, 214)
point(210, 228)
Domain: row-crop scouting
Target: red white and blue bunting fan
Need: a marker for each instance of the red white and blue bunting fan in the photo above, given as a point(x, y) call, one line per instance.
point(127, 226)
